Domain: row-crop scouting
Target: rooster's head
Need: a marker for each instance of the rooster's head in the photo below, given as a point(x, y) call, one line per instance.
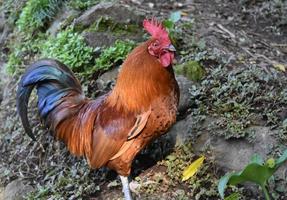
point(160, 45)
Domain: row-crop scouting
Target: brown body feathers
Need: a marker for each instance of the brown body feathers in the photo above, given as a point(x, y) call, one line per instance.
point(114, 128)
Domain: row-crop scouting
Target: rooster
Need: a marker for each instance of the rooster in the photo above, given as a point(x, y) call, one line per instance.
point(111, 130)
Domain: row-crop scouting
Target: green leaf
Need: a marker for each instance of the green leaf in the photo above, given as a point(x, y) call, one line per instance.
point(222, 184)
point(282, 158)
point(168, 24)
point(280, 67)
point(175, 16)
point(254, 172)
point(233, 196)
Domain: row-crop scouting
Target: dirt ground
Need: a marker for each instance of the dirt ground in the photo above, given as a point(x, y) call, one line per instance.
point(240, 33)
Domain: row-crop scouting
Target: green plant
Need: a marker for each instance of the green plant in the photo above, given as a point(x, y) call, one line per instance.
point(36, 13)
point(14, 62)
point(256, 171)
point(114, 54)
point(70, 48)
point(82, 4)
point(237, 98)
point(203, 184)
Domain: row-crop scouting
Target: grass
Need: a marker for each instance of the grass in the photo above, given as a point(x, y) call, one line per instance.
point(37, 13)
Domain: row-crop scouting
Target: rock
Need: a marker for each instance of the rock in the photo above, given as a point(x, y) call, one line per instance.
point(118, 22)
point(63, 17)
point(185, 96)
point(2, 193)
point(117, 12)
point(3, 80)
point(6, 83)
point(107, 79)
point(5, 29)
point(231, 154)
point(17, 190)
point(99, 39)
point(234, 154)
point(181, 131)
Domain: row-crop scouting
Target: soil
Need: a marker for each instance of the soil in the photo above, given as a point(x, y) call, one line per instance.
point(240, 32)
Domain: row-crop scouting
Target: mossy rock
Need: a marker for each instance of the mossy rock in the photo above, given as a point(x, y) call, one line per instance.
point(191, 69)
point(114, 11)
point(107, 24)
point(105, 31)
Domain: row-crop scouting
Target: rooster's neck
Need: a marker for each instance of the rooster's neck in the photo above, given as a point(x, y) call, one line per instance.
point(141, 80)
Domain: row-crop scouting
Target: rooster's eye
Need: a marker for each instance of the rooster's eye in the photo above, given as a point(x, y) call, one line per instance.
point(155, 44)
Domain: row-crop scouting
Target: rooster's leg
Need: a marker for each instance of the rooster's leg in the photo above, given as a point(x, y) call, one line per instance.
point(126, 188)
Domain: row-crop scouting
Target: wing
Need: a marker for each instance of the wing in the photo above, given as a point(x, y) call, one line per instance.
point(114, 131)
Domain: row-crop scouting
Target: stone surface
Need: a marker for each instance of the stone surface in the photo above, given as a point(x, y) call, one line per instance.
point(234, 154)
point(17, 190)
point(118, 13)
point(61, 19)
point(3, 80)
point(99, 39)
point(181, 131)
point(185, 97)
point(2, 193)
point(107, 79)
point(231, 154)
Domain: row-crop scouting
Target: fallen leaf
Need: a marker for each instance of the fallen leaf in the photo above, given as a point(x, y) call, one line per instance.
point(280, 67)
point(192, 168)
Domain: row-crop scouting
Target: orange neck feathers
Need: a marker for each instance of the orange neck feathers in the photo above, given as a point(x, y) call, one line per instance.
point(141, 80)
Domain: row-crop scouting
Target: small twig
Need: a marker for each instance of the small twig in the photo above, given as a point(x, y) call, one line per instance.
point(232, 35)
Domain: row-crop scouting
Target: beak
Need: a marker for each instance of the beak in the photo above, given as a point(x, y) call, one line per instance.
point(171, 48)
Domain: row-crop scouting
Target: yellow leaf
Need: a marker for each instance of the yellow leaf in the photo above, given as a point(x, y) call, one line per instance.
point(192, 168)
point(280, 67)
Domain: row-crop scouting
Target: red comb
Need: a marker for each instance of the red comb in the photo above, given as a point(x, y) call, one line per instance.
point(156, 29)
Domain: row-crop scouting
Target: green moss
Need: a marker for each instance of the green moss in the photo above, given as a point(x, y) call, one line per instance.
point(69, 47)
point(36, 13)
point(191, 69)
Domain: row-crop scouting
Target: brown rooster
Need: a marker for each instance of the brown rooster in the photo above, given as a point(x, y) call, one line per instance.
point(111, 130)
